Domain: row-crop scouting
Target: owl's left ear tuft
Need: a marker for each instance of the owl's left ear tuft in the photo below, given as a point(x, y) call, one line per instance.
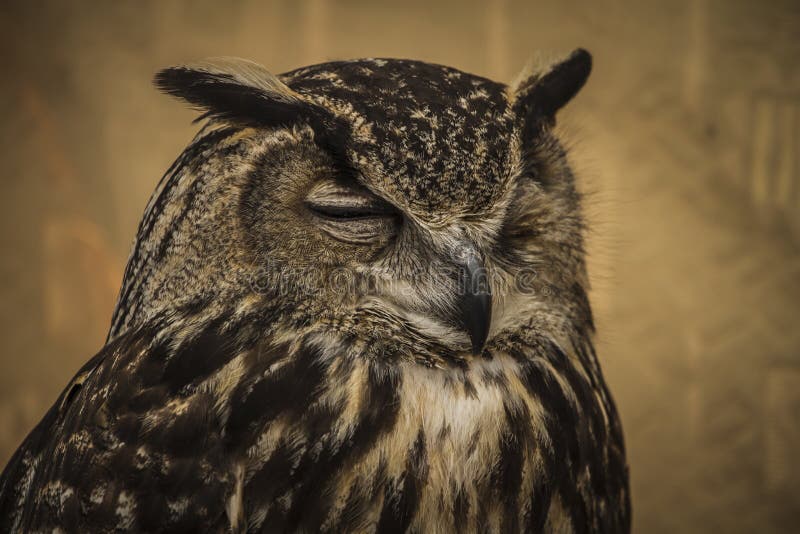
point(539, 96)
point(235, 90)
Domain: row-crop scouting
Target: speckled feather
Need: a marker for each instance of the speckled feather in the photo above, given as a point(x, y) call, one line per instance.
point(235, 395)
point(434, 136)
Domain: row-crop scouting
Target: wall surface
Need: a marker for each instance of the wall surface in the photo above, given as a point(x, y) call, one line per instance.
point(686, 140)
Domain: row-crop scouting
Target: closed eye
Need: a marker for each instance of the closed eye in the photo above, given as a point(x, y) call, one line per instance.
point(336, 201)
point(352, 214)
point(348, 209)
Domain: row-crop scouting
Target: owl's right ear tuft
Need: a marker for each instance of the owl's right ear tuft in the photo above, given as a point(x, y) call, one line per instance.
point(234, 90)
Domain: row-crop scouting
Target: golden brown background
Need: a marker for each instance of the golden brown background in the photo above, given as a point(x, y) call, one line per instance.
point(686, 139)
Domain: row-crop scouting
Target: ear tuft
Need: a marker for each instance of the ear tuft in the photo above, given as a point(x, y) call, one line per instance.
point(542, 94)
point(235, 90)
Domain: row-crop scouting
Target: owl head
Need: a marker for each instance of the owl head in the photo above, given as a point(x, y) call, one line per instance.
point(409, 209)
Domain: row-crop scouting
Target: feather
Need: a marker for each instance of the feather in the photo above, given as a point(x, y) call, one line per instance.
point(235, 90)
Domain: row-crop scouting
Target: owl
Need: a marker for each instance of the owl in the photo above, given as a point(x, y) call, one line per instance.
point(357, 302)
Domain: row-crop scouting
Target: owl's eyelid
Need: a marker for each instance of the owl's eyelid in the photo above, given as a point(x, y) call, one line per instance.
point(336, 201)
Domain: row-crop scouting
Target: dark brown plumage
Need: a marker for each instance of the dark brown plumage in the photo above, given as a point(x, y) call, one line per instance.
point(356, 302)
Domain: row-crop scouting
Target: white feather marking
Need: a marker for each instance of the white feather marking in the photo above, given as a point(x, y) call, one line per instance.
point(250, 74)
point(234, 508)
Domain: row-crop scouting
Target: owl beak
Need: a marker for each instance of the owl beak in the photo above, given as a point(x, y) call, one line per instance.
point(475, 301)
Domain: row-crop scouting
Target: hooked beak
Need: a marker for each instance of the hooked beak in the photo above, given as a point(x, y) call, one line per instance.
point(475, 301)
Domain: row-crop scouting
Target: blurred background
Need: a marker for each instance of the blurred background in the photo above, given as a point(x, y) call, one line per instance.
point(686, 141)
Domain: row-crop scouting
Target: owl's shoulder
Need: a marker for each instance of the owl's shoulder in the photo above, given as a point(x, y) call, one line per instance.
point(130, 443)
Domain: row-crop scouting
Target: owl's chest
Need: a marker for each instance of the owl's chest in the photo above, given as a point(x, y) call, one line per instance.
point(461, 418)
point(476, 436)
point(415, 446)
